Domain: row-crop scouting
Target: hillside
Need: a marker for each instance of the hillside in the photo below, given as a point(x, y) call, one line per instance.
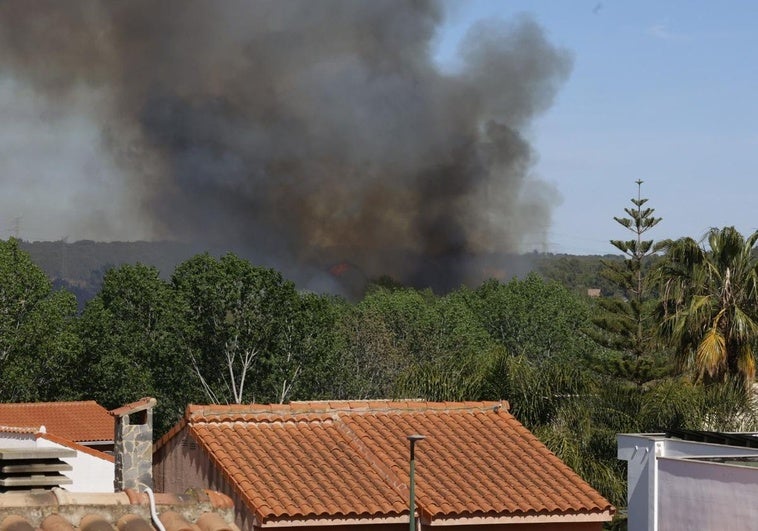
point(79, 266)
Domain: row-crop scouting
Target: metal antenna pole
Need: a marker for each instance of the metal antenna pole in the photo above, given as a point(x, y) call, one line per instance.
point(412, 487)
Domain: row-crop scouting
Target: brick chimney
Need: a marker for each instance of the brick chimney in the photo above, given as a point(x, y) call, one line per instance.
point(133, 445)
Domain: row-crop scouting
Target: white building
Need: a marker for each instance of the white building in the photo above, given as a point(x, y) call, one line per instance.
point(693, 481)
point(91, 470)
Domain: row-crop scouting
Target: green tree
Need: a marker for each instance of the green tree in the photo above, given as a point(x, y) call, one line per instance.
point(535, 388)
point(410, 343)
point(625, 322)
point(534, 317)
point(708, 304)
point(457, 353)
point(370, 354)
point(130, 334)
point(309, 367)
point(39, 348)
point(237, 320)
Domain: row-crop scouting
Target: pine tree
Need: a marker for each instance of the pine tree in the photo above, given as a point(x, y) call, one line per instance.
point(624, 323)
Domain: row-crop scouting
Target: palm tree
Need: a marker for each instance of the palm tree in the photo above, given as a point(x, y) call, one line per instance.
point(708, 304)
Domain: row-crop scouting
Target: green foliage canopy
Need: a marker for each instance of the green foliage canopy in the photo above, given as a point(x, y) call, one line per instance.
point(130, 336)
point(534, 317)
point(38, 345)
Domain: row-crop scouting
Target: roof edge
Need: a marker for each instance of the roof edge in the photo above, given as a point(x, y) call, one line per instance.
point(331, 521)
point(577, 517)
point(230, 478)
point(75, 446)
point(134, 407)
point(63, 403)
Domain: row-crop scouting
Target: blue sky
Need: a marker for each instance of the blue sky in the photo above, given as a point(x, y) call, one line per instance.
point(660, 91)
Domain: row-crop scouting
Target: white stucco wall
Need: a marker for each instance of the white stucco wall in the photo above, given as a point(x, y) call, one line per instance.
point(658, 503)
point(700, 496)
point(89, 474)
point(642, 494)
point(17, 440)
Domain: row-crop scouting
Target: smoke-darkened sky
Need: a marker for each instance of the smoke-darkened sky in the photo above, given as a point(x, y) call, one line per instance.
point(300, 132)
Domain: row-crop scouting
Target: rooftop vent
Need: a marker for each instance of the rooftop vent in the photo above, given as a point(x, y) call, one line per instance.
point(33, 468)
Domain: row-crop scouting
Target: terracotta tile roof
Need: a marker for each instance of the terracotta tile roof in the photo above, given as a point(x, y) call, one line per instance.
point(19, 429)
point(77, 421)
point(59, 510)
point(349, 459)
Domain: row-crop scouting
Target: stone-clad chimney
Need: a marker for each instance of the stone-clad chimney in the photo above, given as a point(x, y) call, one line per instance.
point(133, 445)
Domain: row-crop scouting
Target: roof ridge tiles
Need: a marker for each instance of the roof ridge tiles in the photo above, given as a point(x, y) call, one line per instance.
point(258, 412)
point(210, 498)
point(20, 429)
point(45, 404)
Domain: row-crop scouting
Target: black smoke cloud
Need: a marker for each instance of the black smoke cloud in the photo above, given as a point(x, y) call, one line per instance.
point(305, 132)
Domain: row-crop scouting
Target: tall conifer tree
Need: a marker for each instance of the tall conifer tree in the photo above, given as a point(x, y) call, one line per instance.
point(624, 322)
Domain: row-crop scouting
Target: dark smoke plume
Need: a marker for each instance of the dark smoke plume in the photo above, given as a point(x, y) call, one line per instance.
point(304, 132)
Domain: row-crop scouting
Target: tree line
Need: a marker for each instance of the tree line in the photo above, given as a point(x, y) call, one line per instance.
point(80, 266)
point(674, 348)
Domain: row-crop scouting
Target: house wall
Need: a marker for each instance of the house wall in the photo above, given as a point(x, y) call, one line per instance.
point(644, 453)
point(640, 452)
point(88, 474)
point(181, 464)
point(697, 495)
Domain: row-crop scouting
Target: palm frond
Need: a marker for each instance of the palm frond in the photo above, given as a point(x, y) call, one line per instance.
point(743, 326)
point(711, 355)
point(746, 362)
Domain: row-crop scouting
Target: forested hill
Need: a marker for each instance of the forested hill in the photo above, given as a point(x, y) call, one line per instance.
point(79, 266)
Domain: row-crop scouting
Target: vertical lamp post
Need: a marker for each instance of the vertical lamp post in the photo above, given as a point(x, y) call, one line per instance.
point(413, 439)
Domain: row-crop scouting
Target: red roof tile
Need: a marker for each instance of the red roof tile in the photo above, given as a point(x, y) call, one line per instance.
point(350, 460)
point(85, 421)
